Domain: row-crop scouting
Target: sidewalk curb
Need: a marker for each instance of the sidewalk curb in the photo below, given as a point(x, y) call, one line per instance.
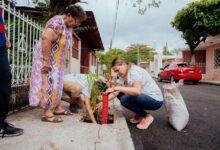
point(209, 82)
point(70, 134)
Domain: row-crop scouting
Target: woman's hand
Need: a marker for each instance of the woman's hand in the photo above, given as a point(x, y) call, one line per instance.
point(8, 43)
point(45, 69)
point(110, 90)
point(135, 89)
point(98, 106)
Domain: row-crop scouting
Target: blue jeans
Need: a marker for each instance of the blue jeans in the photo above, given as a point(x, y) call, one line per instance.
point(5, 83)
point(140, 103)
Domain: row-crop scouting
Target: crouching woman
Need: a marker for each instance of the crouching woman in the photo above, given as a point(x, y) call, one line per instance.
point(138, 93)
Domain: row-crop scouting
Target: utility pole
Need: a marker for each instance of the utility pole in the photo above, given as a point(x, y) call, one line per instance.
point(115, 24)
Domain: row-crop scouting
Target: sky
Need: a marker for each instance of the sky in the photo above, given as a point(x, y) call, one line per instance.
point(153, 28)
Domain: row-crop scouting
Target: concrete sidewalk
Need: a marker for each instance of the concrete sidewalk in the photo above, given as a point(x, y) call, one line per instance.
point(212, 82)
point(68, 135)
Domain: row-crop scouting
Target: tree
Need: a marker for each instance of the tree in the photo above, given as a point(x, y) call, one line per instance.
point(176, 51)
point(197, 21)
point(143, 5)
point(109, 56)
point(166, 51)
point(145, 53)
point(54, 7)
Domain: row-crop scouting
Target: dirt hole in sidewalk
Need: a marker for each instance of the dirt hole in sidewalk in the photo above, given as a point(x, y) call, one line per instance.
point(110, 119)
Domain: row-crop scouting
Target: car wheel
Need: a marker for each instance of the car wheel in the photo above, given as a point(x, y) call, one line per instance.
point(172, 79)
point(159, 78)
point(195, 82)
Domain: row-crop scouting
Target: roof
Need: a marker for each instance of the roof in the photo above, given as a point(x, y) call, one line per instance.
point(32, 11)
point(210, 41)
point(89, 31)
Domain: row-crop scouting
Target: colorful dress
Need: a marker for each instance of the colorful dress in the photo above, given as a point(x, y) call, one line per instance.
point(46, 89)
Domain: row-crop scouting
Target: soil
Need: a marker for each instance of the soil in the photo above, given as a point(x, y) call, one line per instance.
point(110, 119)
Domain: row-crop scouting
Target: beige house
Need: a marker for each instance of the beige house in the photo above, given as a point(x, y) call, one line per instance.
point(207, 56)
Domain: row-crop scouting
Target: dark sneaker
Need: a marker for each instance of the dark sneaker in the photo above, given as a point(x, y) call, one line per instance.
point(74, 108)
point(8, 130)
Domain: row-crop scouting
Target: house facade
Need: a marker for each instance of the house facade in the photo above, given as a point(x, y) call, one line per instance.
point(160, 61)
point(81, 57)
point(207, 57)
point(85, 44)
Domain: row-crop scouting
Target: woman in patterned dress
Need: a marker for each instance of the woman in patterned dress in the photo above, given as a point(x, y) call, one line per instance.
point(46, 81)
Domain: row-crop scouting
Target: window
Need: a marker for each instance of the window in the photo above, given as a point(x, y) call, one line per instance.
point(93, 59)
point(217, 58)
point(166, 67)
point(75, 53)
point(182, 65)
point(75, 46)
point(171, 66)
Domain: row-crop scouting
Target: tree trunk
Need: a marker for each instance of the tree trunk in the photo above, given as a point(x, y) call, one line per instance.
point(193, 60)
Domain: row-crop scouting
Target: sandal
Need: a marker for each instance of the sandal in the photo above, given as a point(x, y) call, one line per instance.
point(65, 112)
point(49, 119)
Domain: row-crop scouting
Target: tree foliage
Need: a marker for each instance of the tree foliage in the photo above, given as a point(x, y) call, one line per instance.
point(109, 56)
point(197, 21)
point(146, 54)
point(176, 51)
point(54, 7)
point(166, 51)
point(143, 5)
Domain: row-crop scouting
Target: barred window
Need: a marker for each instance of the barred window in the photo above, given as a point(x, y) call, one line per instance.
point(217, 58)
point(75, 48)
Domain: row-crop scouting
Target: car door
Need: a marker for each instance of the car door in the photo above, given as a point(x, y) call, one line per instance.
point(169, 71)
point(164, 72)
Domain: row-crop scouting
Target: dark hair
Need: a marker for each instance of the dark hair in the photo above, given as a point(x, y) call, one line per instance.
point(118, 61)
point(76, 11)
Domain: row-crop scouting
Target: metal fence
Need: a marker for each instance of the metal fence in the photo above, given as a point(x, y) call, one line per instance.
point(202, 66)
point(23, 33)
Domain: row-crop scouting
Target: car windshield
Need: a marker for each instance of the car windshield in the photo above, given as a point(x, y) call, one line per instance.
point(182, 65)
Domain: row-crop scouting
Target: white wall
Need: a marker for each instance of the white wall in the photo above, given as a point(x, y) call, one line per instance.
point(155, 65)
point(75, 63)
point(91, 67)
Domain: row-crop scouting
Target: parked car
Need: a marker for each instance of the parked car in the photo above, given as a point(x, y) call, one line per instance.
point(180, 70)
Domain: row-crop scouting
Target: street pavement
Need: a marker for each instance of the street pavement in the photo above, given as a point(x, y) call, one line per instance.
point(202, 132)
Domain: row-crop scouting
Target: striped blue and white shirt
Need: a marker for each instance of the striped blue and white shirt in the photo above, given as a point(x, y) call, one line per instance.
point(2, 31)
point(83, 80)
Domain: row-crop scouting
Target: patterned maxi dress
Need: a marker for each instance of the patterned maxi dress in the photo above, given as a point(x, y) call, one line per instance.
point(46, 89)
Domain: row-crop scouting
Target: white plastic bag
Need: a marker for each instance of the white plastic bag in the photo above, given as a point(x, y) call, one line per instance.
point(176, 108)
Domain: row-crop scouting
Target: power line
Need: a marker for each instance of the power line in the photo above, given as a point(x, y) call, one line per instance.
point(115, 23)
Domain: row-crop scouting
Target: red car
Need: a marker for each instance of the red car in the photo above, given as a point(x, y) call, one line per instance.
point(176, 71)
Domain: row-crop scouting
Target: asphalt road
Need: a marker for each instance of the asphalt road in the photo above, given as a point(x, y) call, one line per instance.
point(202, 132)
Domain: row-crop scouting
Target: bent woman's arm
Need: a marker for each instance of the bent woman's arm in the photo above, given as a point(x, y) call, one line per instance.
point(135, 89)
point(48, 39)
